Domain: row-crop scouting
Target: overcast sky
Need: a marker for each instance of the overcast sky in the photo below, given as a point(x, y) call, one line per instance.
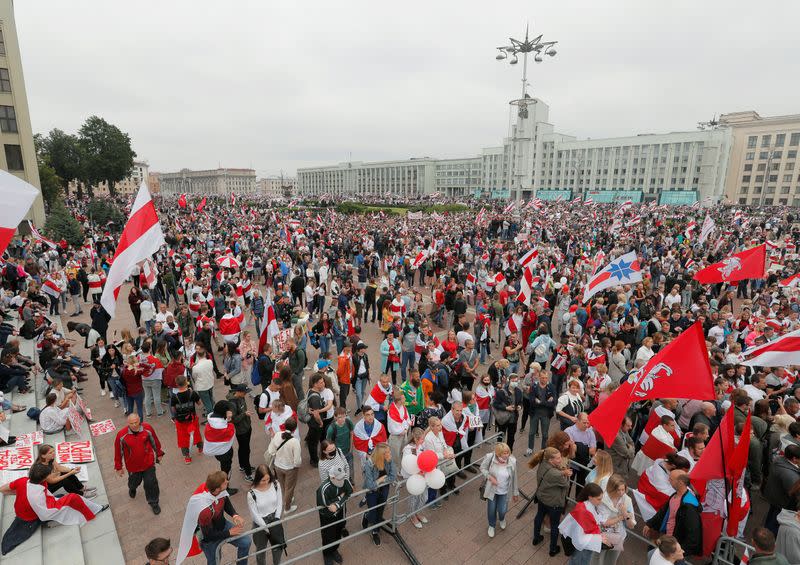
point(280, 85)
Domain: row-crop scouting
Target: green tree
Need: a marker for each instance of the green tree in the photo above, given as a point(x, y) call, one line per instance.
point(101, 211)
point(61, 224)
point(50, 182)
point(64, 153)
point(107, 151)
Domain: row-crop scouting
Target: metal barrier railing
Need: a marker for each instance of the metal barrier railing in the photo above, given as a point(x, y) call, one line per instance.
point(389, 525)
point(729, 551)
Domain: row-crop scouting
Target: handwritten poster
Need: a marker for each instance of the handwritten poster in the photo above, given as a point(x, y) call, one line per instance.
point(104, 427)
point(16, 458)
point(74, 452)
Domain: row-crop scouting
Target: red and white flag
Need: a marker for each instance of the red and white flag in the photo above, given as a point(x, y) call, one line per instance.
point(623, 270)
point(513, 324)
point(366, 442)
point(202, 204)
point(652, 491)
point(419, 259)
point(529, 257)
point(233, 199)
point(182, 201)
point(18, 196)
point(689, 233)
point(141, 238)
point(219, 434)
point(782, 352)
point(510, 207)
point(201, 499)
point(679, 370)
point(499, 280)
point(706, 229)
point(582, 527)
point(526, 287)
point(230, 327)
point(36, 234)
point(150, 272)
point(790, 282)
point(35, 501)
point(749, 264)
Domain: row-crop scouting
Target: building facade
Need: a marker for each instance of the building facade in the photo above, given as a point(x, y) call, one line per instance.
point(458, 178)
point(763, 167)
point(154, 183)
point(276, 187)
point(128, 186)
point(16, 134)
point(208, 183)
point(399, 179)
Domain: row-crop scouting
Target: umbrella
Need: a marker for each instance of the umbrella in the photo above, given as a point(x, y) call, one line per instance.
point(228, 262)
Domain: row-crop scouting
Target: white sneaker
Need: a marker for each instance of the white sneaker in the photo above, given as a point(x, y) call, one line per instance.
point(491, 532)
point(502, 524)
point(528, 452)
point(111, 394)
point(102, 392)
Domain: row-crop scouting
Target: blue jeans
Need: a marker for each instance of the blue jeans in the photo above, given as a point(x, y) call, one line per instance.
point(483, 349)
point(148, 326)
point(115, 385)
point(324, 344)
point(139, 400)
point(207, 398)
point(541, 422)
point(360, 387)
point(242, 546)
point(581, 557)
point(339, 345)
point(407, 359)
point(497, 509)
point(152, 394)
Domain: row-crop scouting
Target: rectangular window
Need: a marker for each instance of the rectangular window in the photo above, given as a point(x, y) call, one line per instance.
point(748, 167)
point(751, 141)
point(763, 155)
point(759, 178)
point(14, 158)
point(743, 200)
point(773, 178)
point(780, 139)
point(788, 166)
point(5, 81)
point(746, 178)
point(743, 190)
point(765, 140)
point(8, 119)
point(794, 140)
point(749, 156)
point(785, 190)
point(775, 167)
point(787, 178)
point(791, 154)
point(761, 167)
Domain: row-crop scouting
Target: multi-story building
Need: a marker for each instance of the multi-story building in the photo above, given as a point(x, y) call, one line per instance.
point(154, 183)
point(763, 167)
point(276, 186)
point(458, 177)
point(126, 187)
point(400, 179)
point(214, 181)
point(16, 134)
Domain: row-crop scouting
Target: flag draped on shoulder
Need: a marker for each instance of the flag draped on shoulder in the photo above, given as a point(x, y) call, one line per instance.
point(582, 527)
point(680, 370)
point(782, 352)
point(748, 264)
point(623, 270)
point(141, 237)
point(18, 196)
point(201, 499)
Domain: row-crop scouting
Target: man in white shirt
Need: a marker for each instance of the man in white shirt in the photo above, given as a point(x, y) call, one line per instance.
point(717, 333)
point(163, 313)
point(755, 390)
point(203, 377)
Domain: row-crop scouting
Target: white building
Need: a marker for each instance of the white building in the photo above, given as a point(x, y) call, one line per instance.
point(535, 160)
point(214, 181)
point(276, 187)
point(411, 178)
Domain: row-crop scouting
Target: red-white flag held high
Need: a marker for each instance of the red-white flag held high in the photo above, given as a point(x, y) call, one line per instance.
point(781, 352)
point(18, 196)
point(526, 287)
point(748, 264)
point(623, 270)
point(705, 231)
point(37, 235)
point(150, 272)
point(680, 370)
point(529, 257)
point(141, 238)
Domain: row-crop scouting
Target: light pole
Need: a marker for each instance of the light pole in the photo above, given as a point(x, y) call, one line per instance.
point(535, 45)
point(520, 138)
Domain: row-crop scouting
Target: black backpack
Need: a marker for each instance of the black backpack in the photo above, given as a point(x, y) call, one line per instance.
point(184, 410)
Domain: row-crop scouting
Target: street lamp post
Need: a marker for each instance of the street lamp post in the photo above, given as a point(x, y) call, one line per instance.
point(535, 45)
point(511, 53)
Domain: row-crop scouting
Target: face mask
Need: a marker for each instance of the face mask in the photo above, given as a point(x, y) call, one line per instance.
point(513, 384)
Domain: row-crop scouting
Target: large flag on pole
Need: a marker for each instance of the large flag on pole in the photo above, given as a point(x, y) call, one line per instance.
point(749, 264)
point(680, 370)
point(37, 235)
point(623, 270)
point(781, 352)
point(141, 238)
point(705, 231)
point(18, 196)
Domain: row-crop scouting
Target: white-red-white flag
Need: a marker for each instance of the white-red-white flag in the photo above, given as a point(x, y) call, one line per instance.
point(529, 257)
point(150, 272)
point(269, 325)
point(37, 235)
point(706, 229)
point(141, 237)
point(782, 352)
point(18, 196)
point(526, 287)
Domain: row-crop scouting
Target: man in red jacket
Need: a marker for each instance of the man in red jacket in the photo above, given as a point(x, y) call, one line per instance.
point(138, 445)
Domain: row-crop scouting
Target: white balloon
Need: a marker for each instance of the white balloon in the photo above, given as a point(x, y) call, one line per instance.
point(563, 280)
point(416, 485)
point(435, 479)
point(409, 464)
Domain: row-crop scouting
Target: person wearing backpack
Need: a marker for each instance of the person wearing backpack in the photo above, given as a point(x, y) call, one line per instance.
point(182, 406)
point(264, 401)
point(311, 411)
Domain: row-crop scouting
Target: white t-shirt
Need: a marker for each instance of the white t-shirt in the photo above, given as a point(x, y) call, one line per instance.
point(503, 476)
point(462, 337)
point(266, 398)
point(754, 393)
point(327, 396)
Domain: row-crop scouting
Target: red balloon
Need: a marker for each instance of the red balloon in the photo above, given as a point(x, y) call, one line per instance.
point(427, 460)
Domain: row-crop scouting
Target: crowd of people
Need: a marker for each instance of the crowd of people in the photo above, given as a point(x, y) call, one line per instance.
point(482, 330)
